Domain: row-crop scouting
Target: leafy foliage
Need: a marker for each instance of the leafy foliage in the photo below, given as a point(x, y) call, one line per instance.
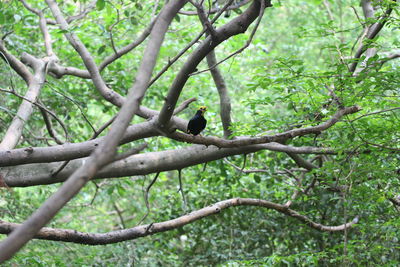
point(282, 81)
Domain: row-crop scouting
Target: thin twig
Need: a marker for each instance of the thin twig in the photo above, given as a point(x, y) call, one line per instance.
point(131, 152)
point(373, 113)
point(146, 197)
point(184, 105)
point(181, 190)
point(119, 212)
point(49, 127)
point(40, 107)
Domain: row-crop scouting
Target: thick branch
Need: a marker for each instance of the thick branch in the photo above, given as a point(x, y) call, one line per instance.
point(70, 151)
point(154, 228)
point(43, 27)
point(81, 15)
point(217, 9)
point(110, 95)
point(236, 26)
point(224, 100)
point(17, 65)
point(105, 152)
point(35, 84)
point(59, 71)
point(141, 164)
point(372, 32)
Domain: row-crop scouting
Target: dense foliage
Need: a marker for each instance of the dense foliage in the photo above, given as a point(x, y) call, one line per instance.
point(295, 73)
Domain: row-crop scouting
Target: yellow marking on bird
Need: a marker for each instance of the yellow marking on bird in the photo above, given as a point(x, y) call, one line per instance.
point(203, 109)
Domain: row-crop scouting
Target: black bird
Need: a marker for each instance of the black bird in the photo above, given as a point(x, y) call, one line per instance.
point(197, 123)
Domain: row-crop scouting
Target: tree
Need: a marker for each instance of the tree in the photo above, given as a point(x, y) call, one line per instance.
point(314, 130)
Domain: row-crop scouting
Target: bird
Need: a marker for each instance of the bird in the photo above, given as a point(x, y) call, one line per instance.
point(198, 122)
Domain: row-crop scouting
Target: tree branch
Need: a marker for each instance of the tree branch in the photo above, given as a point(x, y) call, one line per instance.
point(108, 94)
point(372, 32)
point(280, 137)
point(154, 228)
point(35, 84)
point(105, 152)
point(141, 164)
point(216, 9)
point(236, 26)
point(224, 100)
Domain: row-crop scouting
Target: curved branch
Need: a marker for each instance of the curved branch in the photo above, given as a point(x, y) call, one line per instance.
point(146, 129)
point(215, 10)
point(183, 51)
point(372, 32)
point(108, 94)
point(66, 235)
point(103, 155)
point(42, 26)
point(16, 64)
point(59, 71)
point(81, 15)
point(35, 84)
point(280, 137)
point(184, 105)
point(236, 26)
point(224, 100)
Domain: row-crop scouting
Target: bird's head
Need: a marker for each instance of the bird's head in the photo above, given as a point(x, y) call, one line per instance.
point(203, 109)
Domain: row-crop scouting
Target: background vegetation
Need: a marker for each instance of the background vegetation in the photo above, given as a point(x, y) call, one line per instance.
point(300, 54)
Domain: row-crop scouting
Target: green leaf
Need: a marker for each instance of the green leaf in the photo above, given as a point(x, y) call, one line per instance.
point(139, 6)
point(101, 49)
point(100, 4)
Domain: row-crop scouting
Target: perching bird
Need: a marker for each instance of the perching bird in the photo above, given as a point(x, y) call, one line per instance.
point(197, 123)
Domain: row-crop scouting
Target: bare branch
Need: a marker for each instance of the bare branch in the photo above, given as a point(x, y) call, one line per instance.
point(71, 151)
point(181, 190)
point(59, 71)
point(151, 229)
point(184, 105)
point(81, 15)
point(105, 152)
point(126, 49)
point(110, 95)
point(119, 212)
point(49, 127)
point(204, 20)
point(224, 100)
point(43, 28)
point(216, 9)
point(35, 84)
point(17, 65)
point(248, 42)
point(373, 113)
point(42, 108)
point(280, 137)
point(146, 197)
point(236, 26)
point(173, 60)
point(372, 32)
point(140, 164)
